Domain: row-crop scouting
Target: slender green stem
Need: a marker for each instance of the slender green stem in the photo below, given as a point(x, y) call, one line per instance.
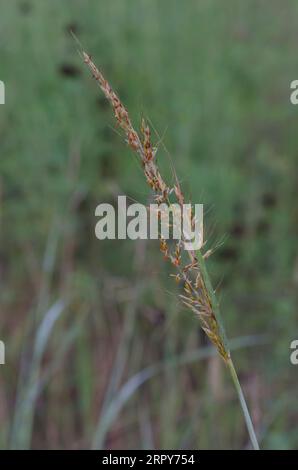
point(246, 414)
point(229, 361)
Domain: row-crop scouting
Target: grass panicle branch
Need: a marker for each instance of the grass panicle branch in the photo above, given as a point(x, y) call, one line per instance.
point(191, 270)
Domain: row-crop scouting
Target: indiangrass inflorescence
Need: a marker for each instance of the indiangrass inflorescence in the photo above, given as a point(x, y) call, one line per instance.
point(190, 266)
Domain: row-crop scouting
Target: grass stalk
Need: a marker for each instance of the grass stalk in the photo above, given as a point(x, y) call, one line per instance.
point(228, 361)
point(243, 404)
point(193, 277)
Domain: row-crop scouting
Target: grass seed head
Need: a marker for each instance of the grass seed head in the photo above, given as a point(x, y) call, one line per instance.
point(197, 296)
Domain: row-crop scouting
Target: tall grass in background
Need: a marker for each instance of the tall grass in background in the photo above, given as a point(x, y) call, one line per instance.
point(216, 84)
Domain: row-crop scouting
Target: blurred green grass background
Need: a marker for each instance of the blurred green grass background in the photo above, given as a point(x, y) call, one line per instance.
point(99, 351)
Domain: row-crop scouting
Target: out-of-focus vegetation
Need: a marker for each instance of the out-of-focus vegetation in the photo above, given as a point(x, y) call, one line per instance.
point(99, 351)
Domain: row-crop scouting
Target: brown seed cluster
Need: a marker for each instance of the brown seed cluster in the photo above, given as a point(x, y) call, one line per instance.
point(196, 295)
